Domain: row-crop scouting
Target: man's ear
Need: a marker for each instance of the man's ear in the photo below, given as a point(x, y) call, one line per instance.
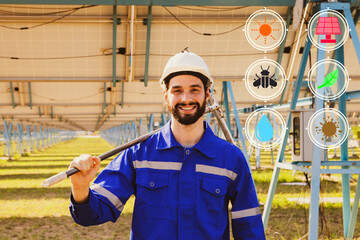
point(165, 95)
point(207, 93)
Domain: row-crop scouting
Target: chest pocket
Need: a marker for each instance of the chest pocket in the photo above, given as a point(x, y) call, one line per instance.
point(152, 194)
point(213, 204)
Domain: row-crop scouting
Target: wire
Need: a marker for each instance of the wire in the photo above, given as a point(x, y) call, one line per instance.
point(200, 33)
point(30, 7)
point(49, 22)
point(65, 100)
point(211, 9)
point(138, 54)
point(55, 58)
point(32, 14)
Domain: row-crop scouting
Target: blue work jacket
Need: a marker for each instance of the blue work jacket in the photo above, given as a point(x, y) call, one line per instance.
point(181, 193)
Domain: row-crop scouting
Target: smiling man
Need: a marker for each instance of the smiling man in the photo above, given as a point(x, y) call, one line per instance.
point(183, 177)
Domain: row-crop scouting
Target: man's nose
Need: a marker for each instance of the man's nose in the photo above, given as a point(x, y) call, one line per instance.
point(186, 97)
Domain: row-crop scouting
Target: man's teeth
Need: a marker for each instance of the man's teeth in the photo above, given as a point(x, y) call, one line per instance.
point(188, 108)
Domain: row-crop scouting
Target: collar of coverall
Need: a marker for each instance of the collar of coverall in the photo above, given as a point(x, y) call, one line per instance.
point(167, 140)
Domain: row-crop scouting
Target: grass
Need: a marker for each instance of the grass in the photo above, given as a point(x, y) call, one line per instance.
point(29, 211)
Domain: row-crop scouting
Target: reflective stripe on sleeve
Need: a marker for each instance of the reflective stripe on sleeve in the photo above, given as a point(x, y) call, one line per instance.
point(245, 213)
point(157, 165)
point(216, 171)
point(109, 195)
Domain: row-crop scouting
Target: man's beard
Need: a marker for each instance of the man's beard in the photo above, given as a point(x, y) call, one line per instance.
point(188, 119)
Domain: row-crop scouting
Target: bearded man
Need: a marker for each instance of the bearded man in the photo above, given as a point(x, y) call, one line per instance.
point(183, 177)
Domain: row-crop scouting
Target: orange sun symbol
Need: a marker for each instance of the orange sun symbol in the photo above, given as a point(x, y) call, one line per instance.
point(265, 29)
point(329, 128)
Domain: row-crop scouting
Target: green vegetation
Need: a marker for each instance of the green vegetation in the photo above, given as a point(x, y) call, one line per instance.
point(29, 211)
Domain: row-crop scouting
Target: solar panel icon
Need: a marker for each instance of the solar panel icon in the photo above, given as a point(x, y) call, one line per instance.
point(328, 26)
point(328, 30)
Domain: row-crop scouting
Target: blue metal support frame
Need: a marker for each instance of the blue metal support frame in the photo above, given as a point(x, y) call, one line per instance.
point(354, 212)
point(151, 123)
point(316, 161)
point(30, 95)
point(282, 47)
point(8, 139)
point(41, 137)
point(237, 121)
point(122, 94)
point(226, 105)
point(29, 139)
point(148, 34)
point(115, 23)
point(104, 105)
point(19, 145)
point(344, 153)
point(314, 167)
point(12, 95)
point(36, 136)
point(280, 156)
point(163, 120)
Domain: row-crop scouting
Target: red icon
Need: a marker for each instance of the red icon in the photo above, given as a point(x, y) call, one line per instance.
point(328, 26)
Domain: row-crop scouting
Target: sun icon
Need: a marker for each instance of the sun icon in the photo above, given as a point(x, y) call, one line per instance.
point(265, 29)
point(329, 128)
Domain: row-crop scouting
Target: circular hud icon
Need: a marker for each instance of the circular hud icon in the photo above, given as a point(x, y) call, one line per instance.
point(328, 30)
point(265, 128)
point(328, 79)
point(265, 29)
point(265, 79)
point(328, 128)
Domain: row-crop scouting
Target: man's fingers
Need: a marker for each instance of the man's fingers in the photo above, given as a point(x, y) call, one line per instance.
point(97, 160)
point(75, 164)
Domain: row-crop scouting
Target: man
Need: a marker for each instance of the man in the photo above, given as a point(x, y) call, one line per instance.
point(183, 177)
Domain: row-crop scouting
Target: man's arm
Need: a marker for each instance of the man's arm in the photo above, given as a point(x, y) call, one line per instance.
point(245, 213)
point(104, 200)
point(80, 182)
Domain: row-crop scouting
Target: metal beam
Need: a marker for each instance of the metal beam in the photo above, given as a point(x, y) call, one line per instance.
point(148, 33)
point(353, 95)
point(115, 23)
point(344, 152)
point(226, 105)
point(158, 2)
point(30, 95)
point(294, 55)
point(12, 95)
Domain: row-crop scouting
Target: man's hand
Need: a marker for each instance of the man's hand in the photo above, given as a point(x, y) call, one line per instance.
point(80, 182)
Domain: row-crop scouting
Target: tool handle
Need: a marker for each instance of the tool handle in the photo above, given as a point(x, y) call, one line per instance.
point(63, 175)
point(59, 177)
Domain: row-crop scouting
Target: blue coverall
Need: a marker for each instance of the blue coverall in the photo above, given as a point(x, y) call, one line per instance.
point(181, 193)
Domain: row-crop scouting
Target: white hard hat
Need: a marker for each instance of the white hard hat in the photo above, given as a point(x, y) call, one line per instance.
point(186, 62)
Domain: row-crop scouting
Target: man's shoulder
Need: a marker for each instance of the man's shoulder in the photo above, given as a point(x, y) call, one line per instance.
point(222, 143)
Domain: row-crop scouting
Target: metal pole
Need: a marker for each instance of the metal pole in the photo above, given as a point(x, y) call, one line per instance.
point(114, 45)
point(316, 160)
point(354, 212)
point(344, 151)
point(238, 124)
point(148, 34)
